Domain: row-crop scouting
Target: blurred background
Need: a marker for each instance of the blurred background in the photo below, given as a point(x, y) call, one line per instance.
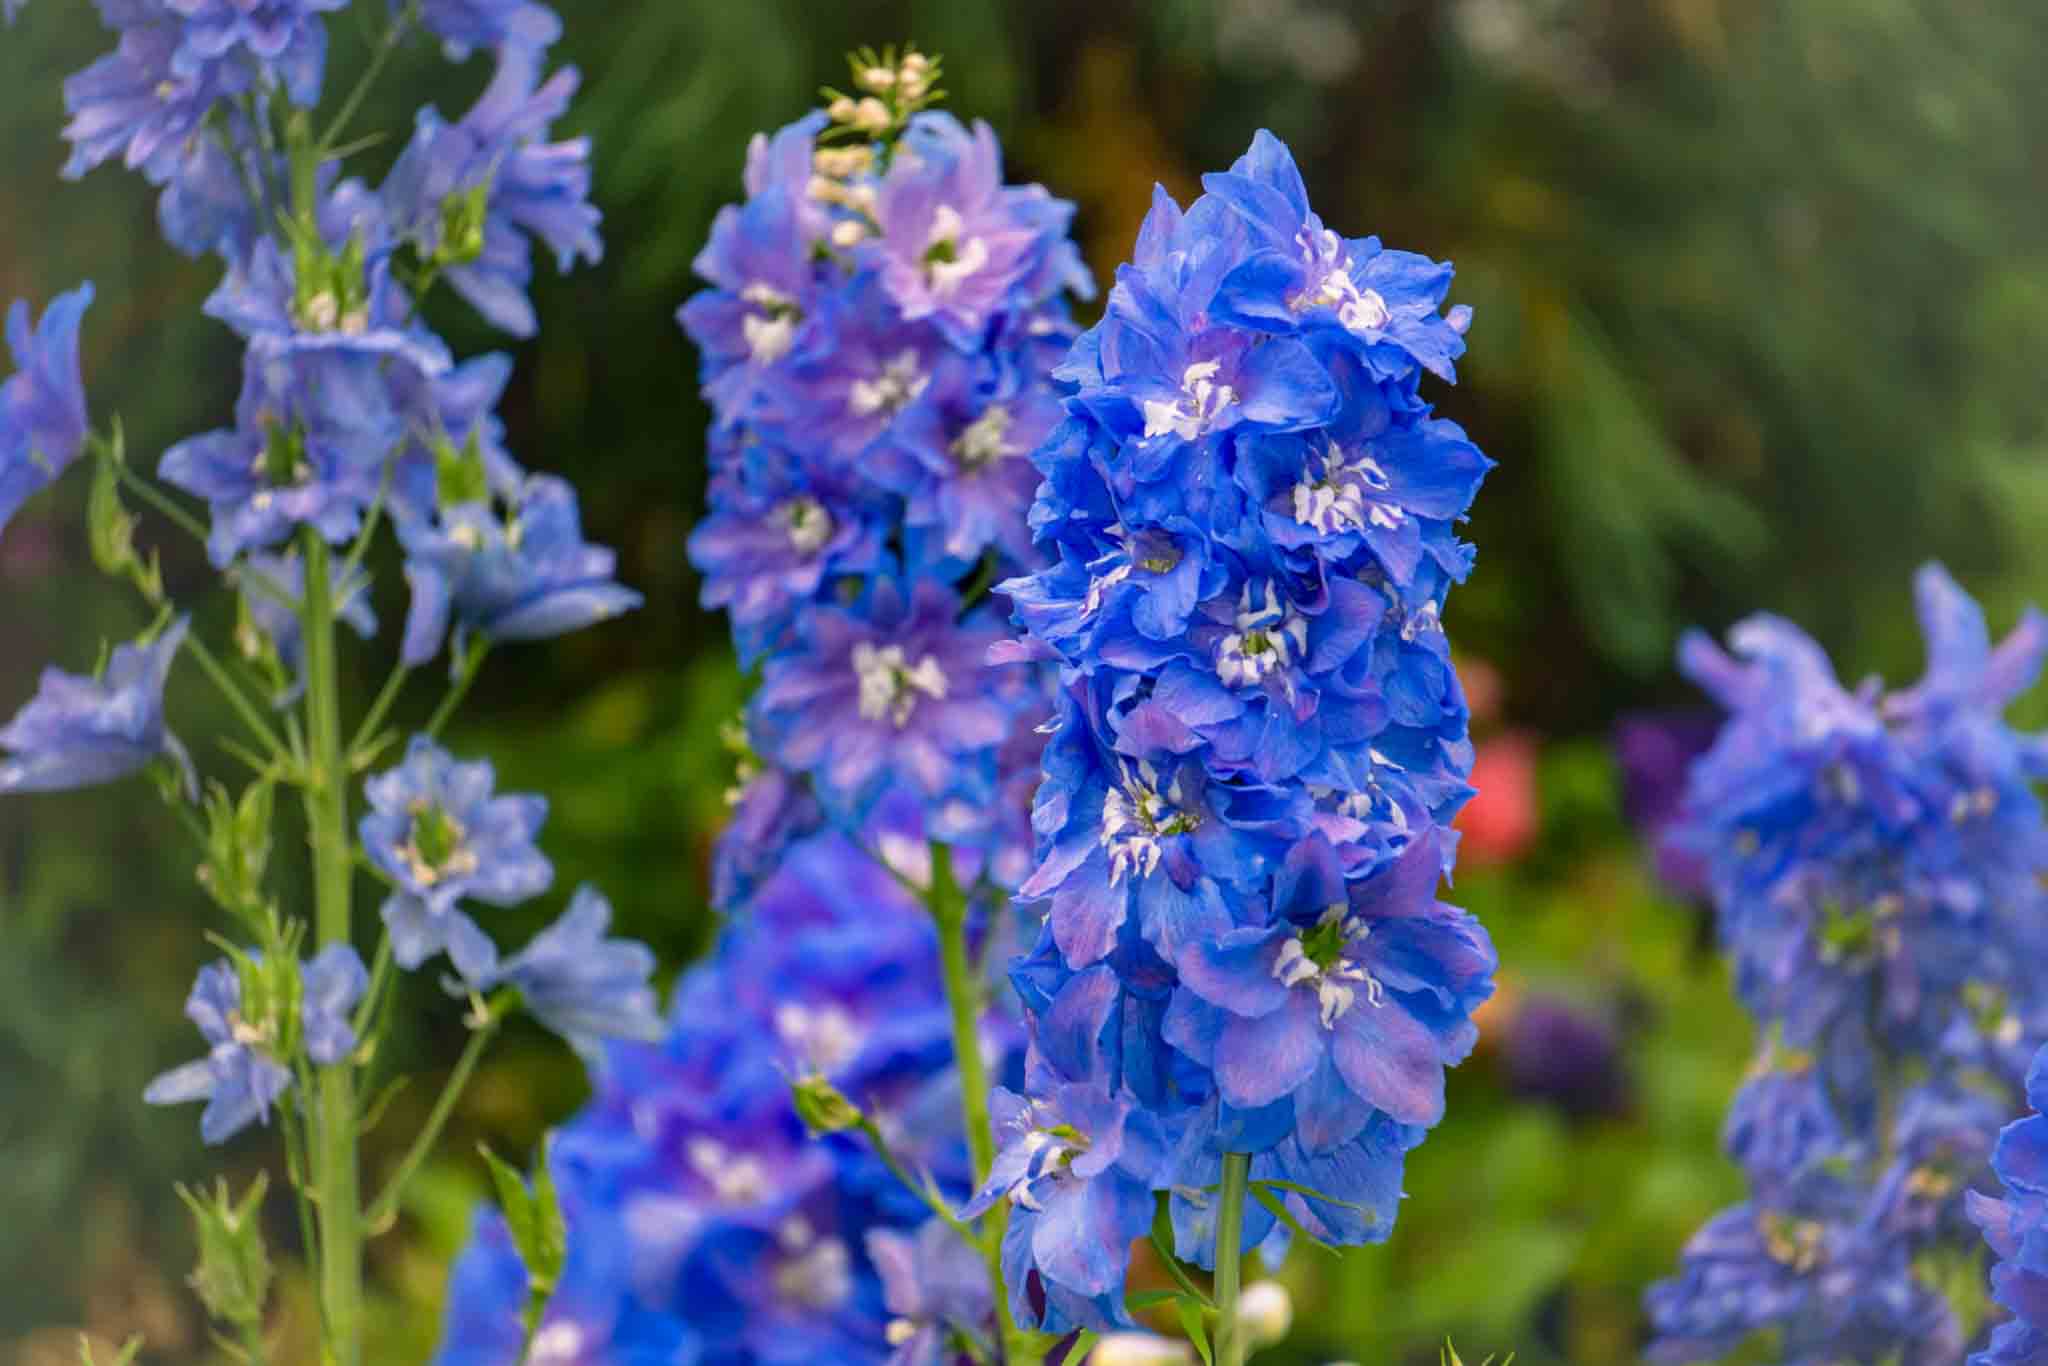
point(1762, 292)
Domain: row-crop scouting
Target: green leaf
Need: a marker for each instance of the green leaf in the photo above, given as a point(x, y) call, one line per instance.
point(539, 1232)
point(1281, 1212)
point(1192, 1324)
point(1311, 1193)
point(125, 1357)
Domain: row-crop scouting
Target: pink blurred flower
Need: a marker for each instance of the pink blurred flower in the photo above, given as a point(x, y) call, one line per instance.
point(1499, 824)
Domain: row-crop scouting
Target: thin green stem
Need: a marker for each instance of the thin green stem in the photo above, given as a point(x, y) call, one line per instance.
point(380, 979)
point(384, 1208)
point(948, 904)
point(379, 709)
point(252, 717)
point(336, 1175)
point(472, 664)
point(158, 499)
point(295, 1122)
point(375, 68)
point(1178, 1272)
point(921, 1189)
point(1231, 1348)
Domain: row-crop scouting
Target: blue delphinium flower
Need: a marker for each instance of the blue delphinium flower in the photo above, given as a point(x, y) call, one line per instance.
point(78, 732)
point(313, 432)
point(1246, 523)
point(275, 584)
point(1875, 862)
point(525, 573)
point(528, 186)
point(42, 405)
point(10, 9)
point(700, 1212)
point(2016, 1225)
point(242, 1076)
point(935, 1284)
point(463, 25)
point(585, 987)
point(439, 834)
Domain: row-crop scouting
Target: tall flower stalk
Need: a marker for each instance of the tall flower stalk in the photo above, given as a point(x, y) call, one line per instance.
point(353, 417)
point(1875, 860)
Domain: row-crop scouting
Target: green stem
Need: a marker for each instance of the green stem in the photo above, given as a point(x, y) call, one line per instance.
point(948, 903)
point(385, 1207)
point(921, 1189)
point(161, 501)
point(239, 700)
point(379, 709)
point(336, 1176)
point(375, 67)
point(1237, 1173)
point(472, 664)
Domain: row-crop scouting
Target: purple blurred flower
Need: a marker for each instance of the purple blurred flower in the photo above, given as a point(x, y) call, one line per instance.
point(43, 420)
point(78, 732)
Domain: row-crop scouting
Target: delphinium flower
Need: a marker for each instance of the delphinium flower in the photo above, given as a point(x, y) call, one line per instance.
point(1247, 523)
point(1874, 859)
point(42, 405)
point(877, 341)
point(702, 1217)
point(241, 1077)
point(2015, 1223)
point(574, 980)
point(78, 732)
point(441, 836)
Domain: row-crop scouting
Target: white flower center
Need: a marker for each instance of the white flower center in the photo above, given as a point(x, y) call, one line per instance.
point(1137, 817)
point(815, 1272)
point(1267, 637)
point(771, 330)
point(824, 1037)
point(558, 1344)
point(736, 1178)
point(948, 261)
point(1349, 495)
point(809, 525)
point(1202, 401)
point(1360, 310)
point(890, 685)
point(898, 385)
point(1336, 978)
point(985, 440)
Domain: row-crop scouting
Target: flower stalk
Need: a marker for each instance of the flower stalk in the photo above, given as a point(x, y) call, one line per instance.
point(1231, 1347)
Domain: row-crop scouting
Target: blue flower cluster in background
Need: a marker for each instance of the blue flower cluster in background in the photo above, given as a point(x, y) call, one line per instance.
point(705, 1224)
point(1247, 514)
point(1875, 861)
point(878, 339)
point(2016, 1226)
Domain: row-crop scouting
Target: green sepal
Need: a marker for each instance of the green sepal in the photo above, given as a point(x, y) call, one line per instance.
point(233, 1276)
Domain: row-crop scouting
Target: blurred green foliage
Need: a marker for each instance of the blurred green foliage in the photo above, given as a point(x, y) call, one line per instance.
point(1762, 288)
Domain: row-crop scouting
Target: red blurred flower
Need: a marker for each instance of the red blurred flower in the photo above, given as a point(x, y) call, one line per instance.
point(1499, 824)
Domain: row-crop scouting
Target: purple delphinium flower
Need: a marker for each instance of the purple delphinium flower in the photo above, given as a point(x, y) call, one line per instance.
point(43, 421)
point(525, 574)
point(79, 732)
point(242, 1077)
point(894, 688)
point(934, 1283)
point(583, 986)
point(1655, 750)
point(274, 603)
point(1568, 1056)
point(529, 186)
point(135, 102)
point(312, 433)
point(439, 834)
point(1875, 861)
point(2015, 1224)
point(464, 25)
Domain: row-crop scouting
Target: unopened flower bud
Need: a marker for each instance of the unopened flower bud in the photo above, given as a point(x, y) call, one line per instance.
point(841, 110)
point(1139, 1349)
point(871, 115)
point(1266, 1311)
point(848, 233)
point(877, 78)
point(822, 1107)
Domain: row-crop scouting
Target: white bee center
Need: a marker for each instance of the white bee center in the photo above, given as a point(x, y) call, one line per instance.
point(890, 686)
point(1202, 401)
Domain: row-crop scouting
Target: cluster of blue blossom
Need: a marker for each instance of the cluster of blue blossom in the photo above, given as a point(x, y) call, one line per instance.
point(883, 318)
point(350, 407)
point(705, 1225)
point(2017, 1229)
point(1248, 515)
point(1875, 860)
